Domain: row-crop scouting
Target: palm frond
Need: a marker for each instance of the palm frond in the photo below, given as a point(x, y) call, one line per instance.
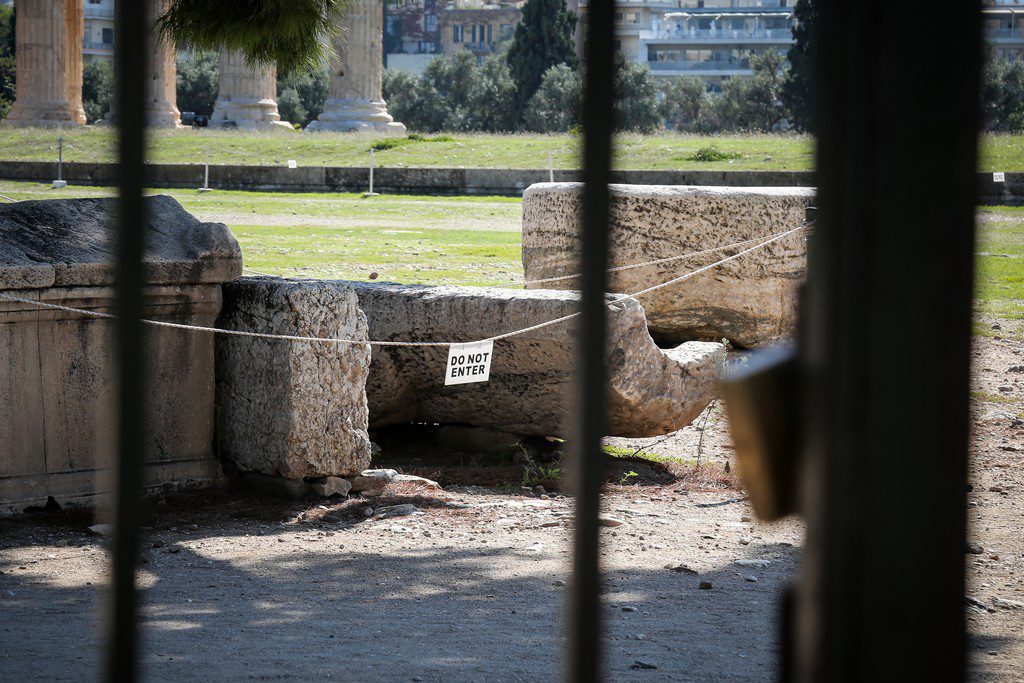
point(294, 34)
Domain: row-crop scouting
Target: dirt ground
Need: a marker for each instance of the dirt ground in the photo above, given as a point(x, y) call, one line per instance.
point(237, 587)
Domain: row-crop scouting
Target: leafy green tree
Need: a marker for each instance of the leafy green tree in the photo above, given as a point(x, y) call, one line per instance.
point(310, 88)
point(491, 96)
point(1002, 95)
point(543, 39)
point(636, 97)
point(753, 104)
point(555, 107)
point(289, 105)
point(7, 78)
point(6, 30)
point(798, 89)
point(198, 79)
point(97, 89)
point(685, 103)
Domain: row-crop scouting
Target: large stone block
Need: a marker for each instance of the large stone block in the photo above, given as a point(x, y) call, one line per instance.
point(650, 391)
point(57, 367)
point(751, 301)
point(297, 409)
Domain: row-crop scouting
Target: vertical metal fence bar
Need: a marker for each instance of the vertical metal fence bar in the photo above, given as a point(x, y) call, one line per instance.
point(584, 662)
point(130, 27)
point(890, 263)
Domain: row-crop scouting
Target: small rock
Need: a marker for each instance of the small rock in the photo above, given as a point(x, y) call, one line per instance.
point(159, 543)
point(996, 326)
point(102, 529)
point(683, 569)
point(539, 490)
point(526, 490)
point(558, 583)
point(744, 518)
point(373, 276)
point(627, 608)
point(974, 548)
point(331, 519)
point(753, 563)
point(745, 540)
point(331, 486)
point(389, 511)
point(975, 602)
point(174, 549)
point(995, 489)
point(368, 512)
point(706, 585)
point(639, 664)
point(1003, 603)
point(607, 520)
point(551, 523)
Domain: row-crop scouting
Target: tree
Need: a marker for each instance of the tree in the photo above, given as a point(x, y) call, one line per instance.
point(198, 79)
point(798, 89)
point(543, 39)
point(490, 98)
point(289, 105)
point(555, 107)
point(310, 92)
point(97, 89)
point(7, 78)
point(685, 103)
point(7, 30)
point(754, 103)
point(636, 98)
point(1002, 95)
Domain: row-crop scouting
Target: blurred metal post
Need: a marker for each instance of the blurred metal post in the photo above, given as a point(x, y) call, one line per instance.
point(589, 399)
point(131, 24)
point(886, 351)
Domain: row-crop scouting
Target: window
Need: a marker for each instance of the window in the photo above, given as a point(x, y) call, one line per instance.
point(108, 36)
point(472, 34)
point(457, 34)
point(429, 23)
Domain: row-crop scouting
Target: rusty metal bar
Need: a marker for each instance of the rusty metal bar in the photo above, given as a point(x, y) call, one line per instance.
point(584, 656)
point(130, 56)
point(887, 346)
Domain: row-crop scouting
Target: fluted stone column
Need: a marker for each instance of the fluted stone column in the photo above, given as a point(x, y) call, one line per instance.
point(161, 103)
point(246, 97)
point(354, 100)
point(48, 64)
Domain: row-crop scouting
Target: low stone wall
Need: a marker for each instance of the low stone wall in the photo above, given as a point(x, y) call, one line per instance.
point(751, 301)
point(437, 181)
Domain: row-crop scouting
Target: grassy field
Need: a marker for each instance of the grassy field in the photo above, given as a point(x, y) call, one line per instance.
point(664, 151)
point(459, 240)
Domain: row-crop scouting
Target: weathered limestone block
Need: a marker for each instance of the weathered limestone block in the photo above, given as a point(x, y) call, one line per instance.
point(751, 301)
point(297, 409)
point(57, 367)
point(651, 391)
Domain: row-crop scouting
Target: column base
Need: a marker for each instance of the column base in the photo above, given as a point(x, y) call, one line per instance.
point(248, 115)
point(355, 116)
point(43, 116)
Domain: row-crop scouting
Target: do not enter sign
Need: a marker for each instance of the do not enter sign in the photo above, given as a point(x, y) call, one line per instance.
point(469, 363)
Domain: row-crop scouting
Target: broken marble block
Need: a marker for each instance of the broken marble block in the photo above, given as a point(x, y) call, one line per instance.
point(296, 409)
point(650, 392)
point(751, 300)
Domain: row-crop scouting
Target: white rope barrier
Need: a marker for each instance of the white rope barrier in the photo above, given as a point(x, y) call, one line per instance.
point(329, 340)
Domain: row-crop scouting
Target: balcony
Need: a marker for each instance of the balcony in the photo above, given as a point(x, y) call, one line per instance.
point(730, 65)
point(718, 35)
point(1004, 34)
point(98, 12)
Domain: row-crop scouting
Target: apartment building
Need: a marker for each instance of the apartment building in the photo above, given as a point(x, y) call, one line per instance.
point(478, 29)
point(1003, 22)
point(98, 39)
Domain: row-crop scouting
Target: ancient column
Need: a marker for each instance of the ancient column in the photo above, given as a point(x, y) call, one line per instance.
point(354, 100)
point(48, 64)
point(246, 97)
point(162, 97)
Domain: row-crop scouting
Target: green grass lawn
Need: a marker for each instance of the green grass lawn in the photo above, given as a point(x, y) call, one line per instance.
point(665, 151)
point(458, 240)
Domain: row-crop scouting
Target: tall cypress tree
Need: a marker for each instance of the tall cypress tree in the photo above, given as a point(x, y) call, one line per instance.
point(799, 88)
point(542, 40)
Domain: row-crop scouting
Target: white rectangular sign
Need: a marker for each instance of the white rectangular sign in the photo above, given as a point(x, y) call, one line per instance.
point(469, 363)
point(292, 164)
point(999, 177)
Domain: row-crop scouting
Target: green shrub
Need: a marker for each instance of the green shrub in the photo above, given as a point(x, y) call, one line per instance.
point(712, 153)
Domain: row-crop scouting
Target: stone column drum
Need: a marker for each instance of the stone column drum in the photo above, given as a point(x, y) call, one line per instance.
point(354, 99)
point(161, 103)
point(49, 64)
point(246, 98)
